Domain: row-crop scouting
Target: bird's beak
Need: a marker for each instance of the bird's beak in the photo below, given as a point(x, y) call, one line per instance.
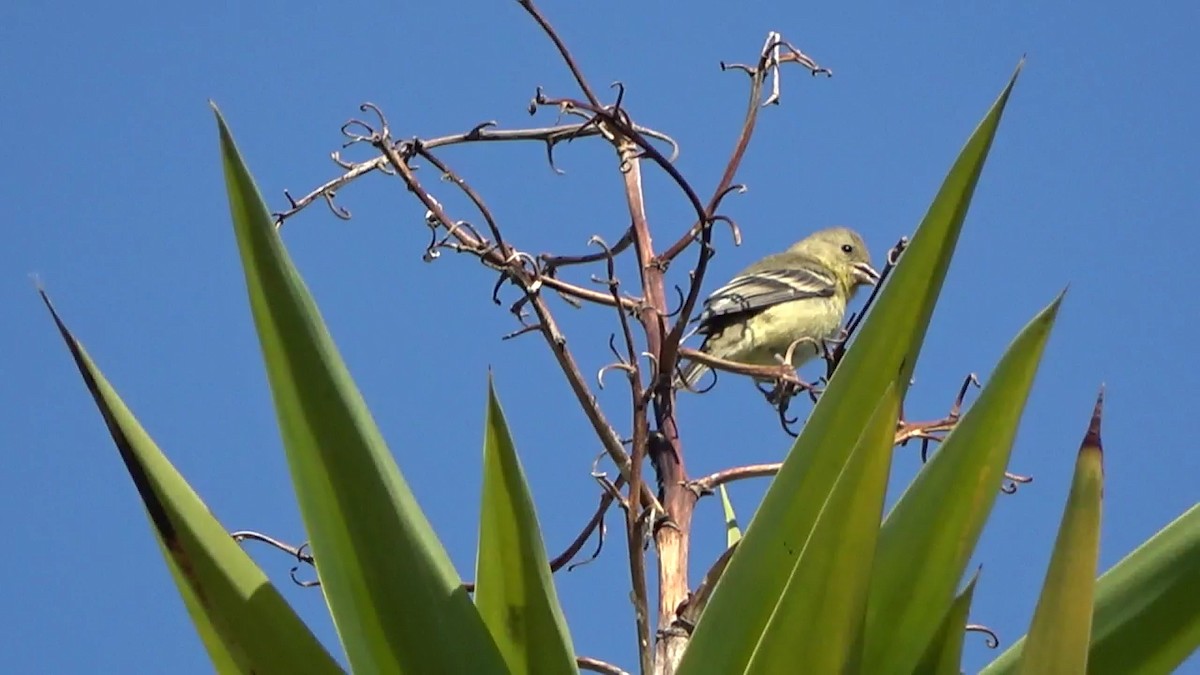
point(866, 274)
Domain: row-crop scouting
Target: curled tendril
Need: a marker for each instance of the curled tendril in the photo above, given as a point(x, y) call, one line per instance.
point(339, 211)
point(733, 227)
point(956, 409)
point(682, 298)
point(611, 489)
point(302, 583)
point(612, 346)
point(431, 250)
point(1013, 481)
point(788, 357)
point(620, 365)
point(600, 457)
point(383, 123)
point(601, 531)
point(504, 276)
point(739, 188)
point(477, 131)
point(653, 361)
point(521, 331)
point(620, 87)
point(337, 159)
point(991, 639)
point(738, 66)
point(694, 389)
point(350, 131)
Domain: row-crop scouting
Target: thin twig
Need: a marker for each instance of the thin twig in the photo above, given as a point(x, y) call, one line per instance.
point(514, 266)
point(474, 196)
point(705, 486)
point(481, 133)
point(768, 61)
point(637, 562)
point(597, 519)
point(990, 638)
point(581, 293)
point(641, 423)
point(553, 262)
point(296, 552)
point(562, 50)
point(783, 373)
point(598, 666)
point(757, 77)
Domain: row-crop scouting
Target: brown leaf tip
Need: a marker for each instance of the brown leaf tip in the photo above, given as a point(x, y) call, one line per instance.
point(1092, 438)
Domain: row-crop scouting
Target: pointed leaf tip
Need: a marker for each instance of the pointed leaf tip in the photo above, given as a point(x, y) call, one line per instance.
point(1092, 438)
point(58, 322)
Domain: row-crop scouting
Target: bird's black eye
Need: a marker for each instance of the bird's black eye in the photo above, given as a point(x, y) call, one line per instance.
point(847, 248)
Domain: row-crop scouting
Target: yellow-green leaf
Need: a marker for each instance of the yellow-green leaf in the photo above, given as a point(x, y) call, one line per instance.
point(397, 602)
point(513, 588)
point(1147, 610)
point(1062, 623)
point(927, 539)
point(818, 620)
point(245, 624)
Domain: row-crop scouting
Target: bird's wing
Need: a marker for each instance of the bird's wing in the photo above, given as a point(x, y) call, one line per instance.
point(759, 290)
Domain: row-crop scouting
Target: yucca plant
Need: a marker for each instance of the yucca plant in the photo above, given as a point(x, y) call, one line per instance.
point(821, 581)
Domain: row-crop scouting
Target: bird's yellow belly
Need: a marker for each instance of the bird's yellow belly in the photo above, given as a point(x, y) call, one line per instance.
point(776, 328)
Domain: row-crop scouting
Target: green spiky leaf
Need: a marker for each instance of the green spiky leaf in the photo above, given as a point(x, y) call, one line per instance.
point(514, 591)
point(396, 600)
point(245, 624)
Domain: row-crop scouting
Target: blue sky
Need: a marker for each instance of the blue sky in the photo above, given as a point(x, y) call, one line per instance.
point(113, 197)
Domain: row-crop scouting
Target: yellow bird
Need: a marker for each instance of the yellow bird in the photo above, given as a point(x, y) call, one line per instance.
point(799, 293)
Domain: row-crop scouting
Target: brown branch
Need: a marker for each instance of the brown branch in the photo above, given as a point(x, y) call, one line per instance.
point(783, 373)
point(551, 136)
point(666, 453)
point(705, 486)
point(615, 123)
point(589, 295)
point(633, 514)
point(767, 62)
point(505, 251)
point(529, 283)
point(663, 445)
point(652, 292)
point(574, 547)
point(552, 262)
point(562, 50)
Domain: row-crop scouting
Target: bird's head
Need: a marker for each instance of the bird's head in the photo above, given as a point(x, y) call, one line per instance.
point(843, 251)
